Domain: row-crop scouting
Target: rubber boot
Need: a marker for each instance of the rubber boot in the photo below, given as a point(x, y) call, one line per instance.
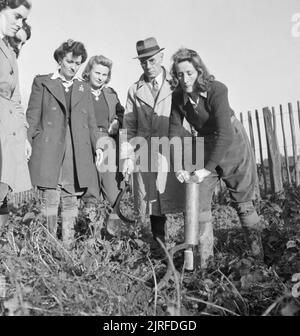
point(3, 221)
point(68, 231)
point(206, 243)
point(254, 242)
point(52, 225)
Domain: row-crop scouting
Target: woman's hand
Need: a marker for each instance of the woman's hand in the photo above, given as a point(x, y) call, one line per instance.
point(28, 149)
point(114, 127)
point(128, 167)
point(182, 176)
point(199, 175)
point(99, 158)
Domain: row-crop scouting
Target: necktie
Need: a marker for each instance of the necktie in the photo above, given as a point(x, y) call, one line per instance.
point(155, 88)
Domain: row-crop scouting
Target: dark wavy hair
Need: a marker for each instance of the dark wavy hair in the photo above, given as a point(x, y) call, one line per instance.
point(76, 48)
point(204, 79)
point(98, 59)
point(14, 4)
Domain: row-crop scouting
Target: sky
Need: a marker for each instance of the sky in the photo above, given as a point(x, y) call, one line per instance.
point(249, 45)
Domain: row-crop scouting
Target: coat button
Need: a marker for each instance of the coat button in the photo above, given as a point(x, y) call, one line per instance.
point(14, 133)
point(11, 72)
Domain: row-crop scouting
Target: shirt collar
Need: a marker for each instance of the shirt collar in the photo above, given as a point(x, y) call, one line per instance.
point(57, 75)
point(187, 98)
point(159, 78)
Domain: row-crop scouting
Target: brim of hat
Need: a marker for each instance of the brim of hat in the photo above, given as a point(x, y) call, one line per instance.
point(149, 54)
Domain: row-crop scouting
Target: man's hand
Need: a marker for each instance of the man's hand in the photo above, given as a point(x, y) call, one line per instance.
point(183, 176)
point(99, 158)
point(128, 167)
point(114, 127)
point(199, 175)
point(28, 150)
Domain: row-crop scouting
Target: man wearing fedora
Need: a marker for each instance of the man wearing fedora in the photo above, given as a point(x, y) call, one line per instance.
point(147, 113)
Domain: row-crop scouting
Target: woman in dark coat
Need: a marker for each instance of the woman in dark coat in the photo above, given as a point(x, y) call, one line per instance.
point(63, 133)
point(109, 115)
point(200, 105)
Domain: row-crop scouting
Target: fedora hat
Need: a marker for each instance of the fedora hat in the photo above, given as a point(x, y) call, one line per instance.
point(147, 48)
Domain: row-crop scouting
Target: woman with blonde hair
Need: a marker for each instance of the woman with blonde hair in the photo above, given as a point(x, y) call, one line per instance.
point(109, 115)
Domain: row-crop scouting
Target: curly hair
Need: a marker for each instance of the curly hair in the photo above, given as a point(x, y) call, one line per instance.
point(204, 79)
point(14, 4)
point(76, 48)
point(102, 60)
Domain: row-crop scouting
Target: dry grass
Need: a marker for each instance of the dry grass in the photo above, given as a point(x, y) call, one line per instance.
point(119, 277)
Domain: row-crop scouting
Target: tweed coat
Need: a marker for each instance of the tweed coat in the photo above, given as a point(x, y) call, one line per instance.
point(13, 163)
point(47, 118)
point(155, 193)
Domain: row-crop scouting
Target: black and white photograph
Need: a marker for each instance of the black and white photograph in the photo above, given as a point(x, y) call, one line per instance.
point(149, 161)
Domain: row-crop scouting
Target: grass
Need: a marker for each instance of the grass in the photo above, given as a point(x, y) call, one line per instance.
point(118, 277)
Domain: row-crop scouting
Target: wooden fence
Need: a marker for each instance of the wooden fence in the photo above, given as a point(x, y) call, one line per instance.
point(277, 134)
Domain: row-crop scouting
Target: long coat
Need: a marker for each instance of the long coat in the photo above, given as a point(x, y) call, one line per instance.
point(13, 164)
point(47, 119)
point(116, 110)
point(155, 193)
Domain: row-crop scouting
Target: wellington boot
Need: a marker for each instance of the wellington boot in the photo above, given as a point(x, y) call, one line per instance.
point(52, 225)
point(68, 231)
point(3, 221)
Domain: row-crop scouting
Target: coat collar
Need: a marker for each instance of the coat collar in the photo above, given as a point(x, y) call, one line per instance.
point(77, 92)
point(55, 86)
point(144, 92)
point(8, 53)
point(187, 99)
point(56, 89)
point(111, 102)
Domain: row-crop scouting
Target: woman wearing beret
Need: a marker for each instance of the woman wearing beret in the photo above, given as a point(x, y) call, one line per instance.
point(202, 103)
point(14, 147)
point(109, 115)
point(63, 133)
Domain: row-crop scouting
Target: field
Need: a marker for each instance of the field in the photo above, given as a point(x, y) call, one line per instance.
point(117, 277)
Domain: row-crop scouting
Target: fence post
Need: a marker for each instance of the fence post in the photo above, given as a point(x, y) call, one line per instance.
point(261, 153)
point(251, 135)
point(273, 153)
point(241, 118)
point(294, 143)
point(287, 164)
point(274, 121)
point(298, 108)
